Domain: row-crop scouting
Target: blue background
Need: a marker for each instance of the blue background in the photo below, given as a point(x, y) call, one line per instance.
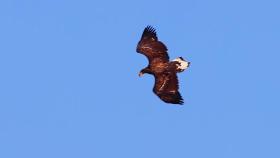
point(69, 84)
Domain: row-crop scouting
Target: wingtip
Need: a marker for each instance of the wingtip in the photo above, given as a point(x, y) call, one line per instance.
point(149, 33)
point(180, 102)
point(172, 98)
point(150, 28)
point(178, 99)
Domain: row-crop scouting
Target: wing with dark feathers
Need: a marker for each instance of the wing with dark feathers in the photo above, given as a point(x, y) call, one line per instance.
point(150, 46)
point(167, 89)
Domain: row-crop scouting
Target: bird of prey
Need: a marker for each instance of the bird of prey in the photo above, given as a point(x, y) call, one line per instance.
point(164, 71)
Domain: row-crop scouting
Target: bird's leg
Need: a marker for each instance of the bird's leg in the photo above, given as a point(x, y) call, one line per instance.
point(145, 70)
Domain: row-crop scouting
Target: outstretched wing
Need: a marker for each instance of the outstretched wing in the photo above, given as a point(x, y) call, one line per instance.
point(150, 46)
point(167, 89)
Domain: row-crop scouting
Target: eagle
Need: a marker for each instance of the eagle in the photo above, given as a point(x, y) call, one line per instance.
point(164, 71)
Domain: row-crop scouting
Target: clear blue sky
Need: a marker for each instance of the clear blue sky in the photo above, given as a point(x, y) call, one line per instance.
point(69, 83)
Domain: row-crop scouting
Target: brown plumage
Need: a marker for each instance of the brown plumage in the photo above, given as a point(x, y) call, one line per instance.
point(165, 72)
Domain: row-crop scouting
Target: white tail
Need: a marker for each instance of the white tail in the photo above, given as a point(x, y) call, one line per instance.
point(183, 63)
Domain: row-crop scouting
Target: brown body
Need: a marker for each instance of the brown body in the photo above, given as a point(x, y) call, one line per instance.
point(164, 71)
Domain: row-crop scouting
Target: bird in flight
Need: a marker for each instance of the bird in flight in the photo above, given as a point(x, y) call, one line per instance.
point(164, 71)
